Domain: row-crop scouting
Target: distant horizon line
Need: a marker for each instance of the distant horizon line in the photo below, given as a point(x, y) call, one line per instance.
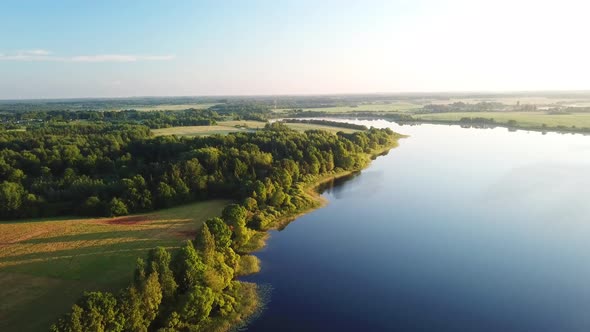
point(400, 93)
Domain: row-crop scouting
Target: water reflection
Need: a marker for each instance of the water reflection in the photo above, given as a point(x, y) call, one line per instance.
point(457, 229)
point(334, 185)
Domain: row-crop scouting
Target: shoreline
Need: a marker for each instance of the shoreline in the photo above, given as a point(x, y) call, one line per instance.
point(311, 190)
point(477, 125)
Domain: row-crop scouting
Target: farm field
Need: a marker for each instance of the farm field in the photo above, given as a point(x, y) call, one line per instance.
point(227, 127)
point(46, 265)
point(524, 119)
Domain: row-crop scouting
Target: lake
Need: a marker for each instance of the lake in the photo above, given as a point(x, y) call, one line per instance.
point(455, 230)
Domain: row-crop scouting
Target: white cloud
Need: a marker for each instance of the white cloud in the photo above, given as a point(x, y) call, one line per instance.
point(37, 52)
point(43, 55)
point(119, 58)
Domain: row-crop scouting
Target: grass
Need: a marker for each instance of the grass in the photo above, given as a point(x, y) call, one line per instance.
point(523, 119)
point(223, 128)
point(226, 127)
point(46, 265)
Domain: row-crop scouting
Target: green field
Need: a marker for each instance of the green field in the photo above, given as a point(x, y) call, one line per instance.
point(376, 107)
point(46, 265)
point(523, 119)
point(226, 127)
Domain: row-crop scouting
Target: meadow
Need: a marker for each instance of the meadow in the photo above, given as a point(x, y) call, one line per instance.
point(46, 265)
point(226, 127)
point(523, 119)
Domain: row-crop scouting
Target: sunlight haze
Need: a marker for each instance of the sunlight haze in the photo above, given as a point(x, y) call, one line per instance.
point(161, 48)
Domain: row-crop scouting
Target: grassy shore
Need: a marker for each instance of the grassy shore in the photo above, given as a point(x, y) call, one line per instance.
point(525, 120)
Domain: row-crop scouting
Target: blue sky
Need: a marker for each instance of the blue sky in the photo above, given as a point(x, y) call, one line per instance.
point(57, 49)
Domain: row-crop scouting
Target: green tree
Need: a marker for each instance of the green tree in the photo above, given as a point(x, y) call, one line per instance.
point(11, 195)
point(220, 231)
point(92, 206)
point(205, 243)
point(188, 267)
point(96, 312)
point(234, 214)
point(250, 204)
point(196, 305)
point(116, 207)
point(159, 261)
point(151, 297)
point(164, 195)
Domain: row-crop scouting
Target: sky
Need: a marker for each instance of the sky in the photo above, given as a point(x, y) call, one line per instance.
point(74, 49)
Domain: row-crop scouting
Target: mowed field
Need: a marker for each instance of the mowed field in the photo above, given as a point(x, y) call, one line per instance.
point(46, 265)
point(524, 119)
point(226, 127)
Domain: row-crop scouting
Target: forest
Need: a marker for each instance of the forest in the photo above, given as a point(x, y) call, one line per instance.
point(61, 167)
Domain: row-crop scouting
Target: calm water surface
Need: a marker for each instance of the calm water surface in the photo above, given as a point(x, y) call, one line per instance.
point(454, 230)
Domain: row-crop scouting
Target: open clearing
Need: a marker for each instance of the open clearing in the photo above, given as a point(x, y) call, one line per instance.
point(226, 127)
point(524, 119)
point(46, 265)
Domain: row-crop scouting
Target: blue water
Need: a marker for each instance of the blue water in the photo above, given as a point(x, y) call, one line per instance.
point(455, 230)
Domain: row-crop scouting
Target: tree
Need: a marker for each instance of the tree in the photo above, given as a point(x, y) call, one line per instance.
point(131, 307)
point(151, 297)
point(250, 204)
point(116, 207)
point(164, 195)
point(259, 192)
point(196, 305)
point(92, 206)
point(159, 261)
point(205, 243)
point(96, 311)
point(220, 231)
point(72, 322)
point(277, 198)
point(234, 215)
point(136, 194)
point(188, 267)
point(11, 195)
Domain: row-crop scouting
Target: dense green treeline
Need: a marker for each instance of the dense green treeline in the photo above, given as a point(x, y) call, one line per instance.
point(105, 169)
point(152, 119)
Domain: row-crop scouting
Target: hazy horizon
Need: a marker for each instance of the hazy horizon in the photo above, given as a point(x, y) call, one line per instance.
point(386, 94)
point(71, 50)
